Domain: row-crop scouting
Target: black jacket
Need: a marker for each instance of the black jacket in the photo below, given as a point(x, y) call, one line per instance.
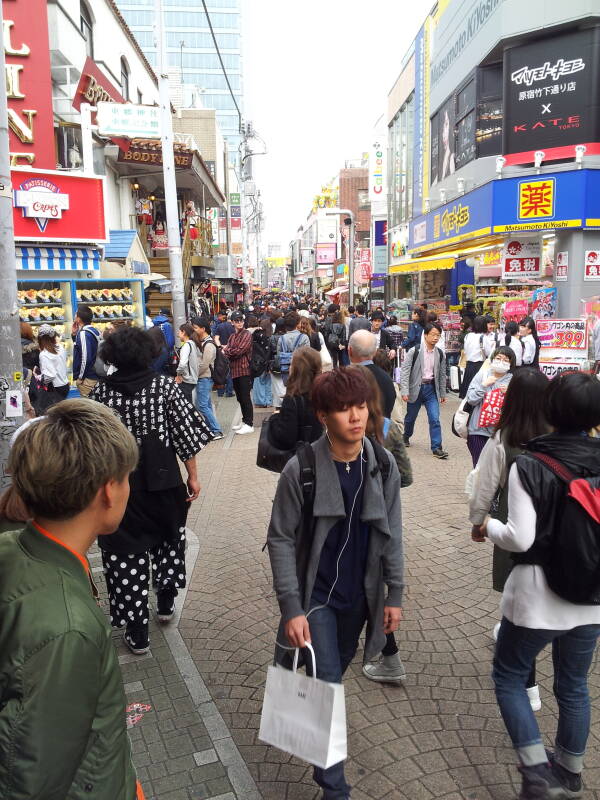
point(386, 387)
point(578, 452)
point(386, 340)
point(295, 419)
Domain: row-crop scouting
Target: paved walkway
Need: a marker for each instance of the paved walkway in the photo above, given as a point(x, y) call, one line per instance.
point(437, 736)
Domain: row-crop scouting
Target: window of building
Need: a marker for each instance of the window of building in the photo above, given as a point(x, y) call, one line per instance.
point(363, 200)
point(134, 17)
point(465, 124)
point(400, 164)
point(125, 79)
point(488, 133)
point(86, 26)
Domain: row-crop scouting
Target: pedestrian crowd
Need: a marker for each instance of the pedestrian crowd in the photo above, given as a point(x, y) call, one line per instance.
point(346, 388)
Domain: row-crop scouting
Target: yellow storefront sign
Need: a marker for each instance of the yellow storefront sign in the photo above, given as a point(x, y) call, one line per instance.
point(536, 199)
point(422, 265)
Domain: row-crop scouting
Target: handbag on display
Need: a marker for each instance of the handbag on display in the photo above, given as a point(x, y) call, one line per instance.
point(304, 716)
point(460, 420)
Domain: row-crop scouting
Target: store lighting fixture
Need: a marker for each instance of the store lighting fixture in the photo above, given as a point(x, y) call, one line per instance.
point(135, 186)
point(500, 162)
point(539, 156)
point(460, 183)
point(579, 154)
point(152, 197)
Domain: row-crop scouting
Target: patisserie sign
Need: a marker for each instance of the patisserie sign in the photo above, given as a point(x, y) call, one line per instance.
point(58, 207)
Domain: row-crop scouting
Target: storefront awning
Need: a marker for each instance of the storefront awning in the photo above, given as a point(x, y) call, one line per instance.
point(57, 258)
point(337, 290)
point(423, 265)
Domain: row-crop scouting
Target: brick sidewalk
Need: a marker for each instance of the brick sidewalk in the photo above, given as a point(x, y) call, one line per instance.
point(440, 735)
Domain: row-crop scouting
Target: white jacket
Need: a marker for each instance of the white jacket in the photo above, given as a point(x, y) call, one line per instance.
point(491, 474)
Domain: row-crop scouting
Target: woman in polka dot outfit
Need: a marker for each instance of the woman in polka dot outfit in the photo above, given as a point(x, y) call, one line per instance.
point(152, 534)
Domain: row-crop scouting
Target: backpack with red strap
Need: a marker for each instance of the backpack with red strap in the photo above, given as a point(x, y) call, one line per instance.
point(573, 565)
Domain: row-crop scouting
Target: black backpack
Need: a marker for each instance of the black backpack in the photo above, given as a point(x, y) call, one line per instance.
point(219, 370)
point(261, 355)
point(572, 565)
point(336, 336)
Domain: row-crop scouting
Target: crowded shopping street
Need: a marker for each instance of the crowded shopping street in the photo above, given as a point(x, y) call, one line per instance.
point(300, 400)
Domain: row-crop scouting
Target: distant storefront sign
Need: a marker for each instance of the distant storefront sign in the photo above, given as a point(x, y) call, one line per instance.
point(149, 151)
point(234, 199)
point(326, 252)
point(563, 334)
point(551, 97)
point(561, 270)
point(591, 265)
point(377, 172)
point(380, 254)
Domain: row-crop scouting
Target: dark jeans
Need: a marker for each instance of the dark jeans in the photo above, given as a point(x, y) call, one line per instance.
point(242, 387)
point(188, 390)
point(337, 357)
point(572, 655)
point(428, 398)
point(334, 636)
point(228, 389)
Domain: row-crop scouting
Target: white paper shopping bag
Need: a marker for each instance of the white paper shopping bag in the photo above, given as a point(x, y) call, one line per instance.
point(304, 716)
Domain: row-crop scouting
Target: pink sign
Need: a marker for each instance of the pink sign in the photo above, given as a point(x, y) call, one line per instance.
point(516, 309)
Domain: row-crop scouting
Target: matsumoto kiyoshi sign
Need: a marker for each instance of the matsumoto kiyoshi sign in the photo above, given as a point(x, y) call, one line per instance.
point(551, 97)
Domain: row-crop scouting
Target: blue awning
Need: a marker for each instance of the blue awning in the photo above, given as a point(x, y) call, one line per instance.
point(58, 258)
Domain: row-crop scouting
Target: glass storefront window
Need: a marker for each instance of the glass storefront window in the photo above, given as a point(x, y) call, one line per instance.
point(400, 169)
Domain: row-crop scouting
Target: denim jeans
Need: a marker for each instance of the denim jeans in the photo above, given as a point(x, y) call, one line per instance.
point(572, 654)
point(428, 398)
point(228, 390)
point(334, 636)
point(261, 390)
point(204, 404)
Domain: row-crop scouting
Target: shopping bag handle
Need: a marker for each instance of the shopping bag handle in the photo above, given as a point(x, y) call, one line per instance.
point(312, 653)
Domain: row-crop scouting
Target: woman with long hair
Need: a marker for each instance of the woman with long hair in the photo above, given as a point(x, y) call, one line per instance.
point(550, 596)
point(511, 339)
point(30, 349)
point(474, 352)
point(262, 395)
point(304, 326)
point(416, 328)
point(296, 421)
point(277, 384)
point(530, 341)
point(51, 382)
point(522, 419)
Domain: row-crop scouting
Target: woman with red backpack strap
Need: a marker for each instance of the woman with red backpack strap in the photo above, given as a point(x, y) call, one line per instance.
point(552, 595)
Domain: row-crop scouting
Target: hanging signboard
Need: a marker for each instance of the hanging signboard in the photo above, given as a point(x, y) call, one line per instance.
point(591, 265)
point(522, 258)
point(149, 151)
point(515, 310)
point(125, 119)
point(553, 368)
point(563, 334)
point(544, 303)
point(561, 271)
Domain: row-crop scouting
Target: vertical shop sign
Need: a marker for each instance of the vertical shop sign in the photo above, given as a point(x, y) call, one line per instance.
point(561, 271)
point(522, 258)
point(419, 150)
point(377, 173)
point(592, 265)
point(28, 83)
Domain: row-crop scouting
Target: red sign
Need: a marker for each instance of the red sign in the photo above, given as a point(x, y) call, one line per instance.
point(592, 265)
point(94, 87)
point(29, 83)
point(561, 271)
point(57, 207)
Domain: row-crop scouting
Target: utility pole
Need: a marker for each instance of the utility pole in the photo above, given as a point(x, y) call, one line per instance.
point(346, 212)
point(168, 156)
point(11, 362)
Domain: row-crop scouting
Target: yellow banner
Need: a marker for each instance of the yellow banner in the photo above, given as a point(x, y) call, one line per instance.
point(528, 226)
point(423, 265)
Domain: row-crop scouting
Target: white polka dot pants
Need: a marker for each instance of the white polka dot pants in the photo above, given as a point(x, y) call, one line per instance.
point(128, 579)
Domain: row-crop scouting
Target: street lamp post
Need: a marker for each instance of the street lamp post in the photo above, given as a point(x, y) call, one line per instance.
point(346, 212)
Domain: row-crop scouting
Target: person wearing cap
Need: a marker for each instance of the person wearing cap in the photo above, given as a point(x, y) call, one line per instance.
point(52, 383)
point(239, 353)
point(163, 321)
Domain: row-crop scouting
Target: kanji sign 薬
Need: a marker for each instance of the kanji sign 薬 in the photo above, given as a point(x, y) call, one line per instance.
point(592, 265)
point(536, 199)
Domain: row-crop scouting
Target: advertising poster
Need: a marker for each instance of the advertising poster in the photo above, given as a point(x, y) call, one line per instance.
point(551, 97)
point(563, 334)
point(561, 270)
point(592, 265)
point(515, 310)
point(553, 368)
point(522, 258)
point(380, 250)
point(443, 142)
point(544, 303)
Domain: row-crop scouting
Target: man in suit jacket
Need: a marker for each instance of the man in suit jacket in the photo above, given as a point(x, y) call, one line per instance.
point(385, 340)
point(423, 382)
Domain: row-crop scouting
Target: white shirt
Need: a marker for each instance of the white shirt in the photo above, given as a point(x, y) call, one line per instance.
point(528, 349)
point(53, 366)
point(490, 342)
point(517, 348)
point(473, 347)
point(527, 599)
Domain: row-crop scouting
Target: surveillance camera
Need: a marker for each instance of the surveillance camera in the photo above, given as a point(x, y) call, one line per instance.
point(500, 162)
point(460, 185)
point(579, 152)
point(539, 157)
point(442, 196)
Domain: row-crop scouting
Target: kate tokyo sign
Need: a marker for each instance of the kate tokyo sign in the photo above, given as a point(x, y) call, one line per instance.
point(41, 200)
point(28, 83)
point(522, 258)
point(57, 207)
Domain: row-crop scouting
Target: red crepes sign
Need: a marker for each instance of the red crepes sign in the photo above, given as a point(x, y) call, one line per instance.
point(29, 83)
point(57, 207)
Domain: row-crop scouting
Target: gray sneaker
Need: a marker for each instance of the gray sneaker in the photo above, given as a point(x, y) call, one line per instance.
point(385, 669)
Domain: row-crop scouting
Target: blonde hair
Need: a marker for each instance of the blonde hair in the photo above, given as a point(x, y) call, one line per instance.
point(58, 464)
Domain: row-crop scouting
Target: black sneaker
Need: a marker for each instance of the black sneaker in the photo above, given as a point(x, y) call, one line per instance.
point(165, 604)
point(439, 453)
point(570, 781)
point(406, 440)
point(136, 638)
point(540, 783)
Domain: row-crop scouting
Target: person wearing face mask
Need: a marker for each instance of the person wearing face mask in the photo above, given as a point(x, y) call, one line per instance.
point(481, 398)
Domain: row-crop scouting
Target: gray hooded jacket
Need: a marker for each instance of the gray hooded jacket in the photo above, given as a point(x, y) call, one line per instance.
point(385, 560)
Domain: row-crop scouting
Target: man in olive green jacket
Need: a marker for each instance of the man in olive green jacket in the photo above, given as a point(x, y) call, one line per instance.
point(62, 704)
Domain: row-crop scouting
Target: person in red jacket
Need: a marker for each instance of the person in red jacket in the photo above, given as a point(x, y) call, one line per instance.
point(239, 353)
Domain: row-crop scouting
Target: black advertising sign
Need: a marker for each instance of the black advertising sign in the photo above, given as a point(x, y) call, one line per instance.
point(551, 97)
